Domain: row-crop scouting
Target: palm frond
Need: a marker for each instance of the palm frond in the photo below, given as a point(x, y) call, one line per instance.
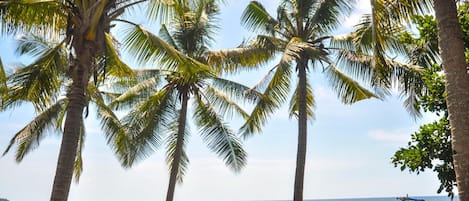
point(325, 16)
point(310, 102)
point(403, 10)
point(146, 47)
point(348, 90)
point(30, 136)
point(40, 81)
point(274, 95)
point(225, 106)
point(115, 66)
point(160, 10)
point(114, 130)
point(256, 18)
point(236, 59)
point(46, 18)
point(166, 36)
point(136, 93)
point(146, 123)
point(218, 136)
point(236, 91)
point(78, 165)
point(277, 87)
point(171, 141)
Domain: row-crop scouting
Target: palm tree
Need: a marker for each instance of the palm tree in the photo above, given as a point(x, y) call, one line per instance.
point(82, 26)
point(42, 82)
point(188, 73)
point(455, 68)
point(301, 33)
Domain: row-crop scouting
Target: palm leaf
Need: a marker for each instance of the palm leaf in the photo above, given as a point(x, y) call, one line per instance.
point(310, 102)
point(236, 91)
point(78, 165)
point(40, 81)
point(274, 95)
point(46, 18)
point(145, 124)
point(232, 60)
point(348, 90)
point(225, 106)
point(256, 18)
point(218, 136)
point(116, 67)
point(328, 14)
point(30, 136)
point(171, 149)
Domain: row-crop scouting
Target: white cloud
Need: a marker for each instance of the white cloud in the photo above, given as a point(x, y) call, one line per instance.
point(390, 136)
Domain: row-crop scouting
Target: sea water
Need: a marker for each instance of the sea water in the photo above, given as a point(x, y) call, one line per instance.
point(426, 198)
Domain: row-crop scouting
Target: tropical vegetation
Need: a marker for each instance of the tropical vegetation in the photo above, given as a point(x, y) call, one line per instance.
point(80, 55)
point(186, 72)
point(81, 26)
point(302, 33)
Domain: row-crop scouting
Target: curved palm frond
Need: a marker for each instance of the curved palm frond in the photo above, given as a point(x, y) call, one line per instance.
point(145, 124)
point(325, 16)
point(146, 47)
point(310, 102)
point(30, 136)
point(171, 149)
point(40, 81)
point(274, 95)
point(225, 106)
point(403, 10)
point(78, 165)
point(46, 18)
point(114, 65)
point(166, 36)
point(256, 18)
point(236, 91)
point(232, 60)
point(348, 90)
point(134, 94)
point(277, 87)
point(218, 136)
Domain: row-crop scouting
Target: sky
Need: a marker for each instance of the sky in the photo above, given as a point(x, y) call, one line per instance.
point(349, 148)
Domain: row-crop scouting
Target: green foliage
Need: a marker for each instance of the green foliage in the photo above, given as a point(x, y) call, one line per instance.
point(187, 71)
point(430, 147)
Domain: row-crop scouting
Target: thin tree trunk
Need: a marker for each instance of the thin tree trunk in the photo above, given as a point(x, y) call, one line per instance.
point(457, 83)
point(71, 135)
point(179, 147)
point(302, 131)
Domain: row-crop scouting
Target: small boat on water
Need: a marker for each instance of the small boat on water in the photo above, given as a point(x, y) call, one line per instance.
point(407, 198)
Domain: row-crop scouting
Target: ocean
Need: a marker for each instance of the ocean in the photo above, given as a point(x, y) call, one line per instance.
point(426, 198)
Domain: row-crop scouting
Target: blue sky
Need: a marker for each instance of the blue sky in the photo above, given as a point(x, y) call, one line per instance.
point(349, 149)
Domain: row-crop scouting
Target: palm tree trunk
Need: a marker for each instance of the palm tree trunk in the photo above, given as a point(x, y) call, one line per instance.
point(179, 147)
point(302, 131)
point(457, 82)
point(73, 121)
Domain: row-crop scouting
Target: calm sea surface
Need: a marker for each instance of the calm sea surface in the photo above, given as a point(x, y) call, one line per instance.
point(426, 198)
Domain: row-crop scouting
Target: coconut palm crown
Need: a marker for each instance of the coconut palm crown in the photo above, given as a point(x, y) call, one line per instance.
point(187, 72)
point(301, 33)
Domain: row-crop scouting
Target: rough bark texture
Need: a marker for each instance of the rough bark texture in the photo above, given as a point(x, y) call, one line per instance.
point(302, 131)
point(179, 148)
point(457, 89)
point(68, 149)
